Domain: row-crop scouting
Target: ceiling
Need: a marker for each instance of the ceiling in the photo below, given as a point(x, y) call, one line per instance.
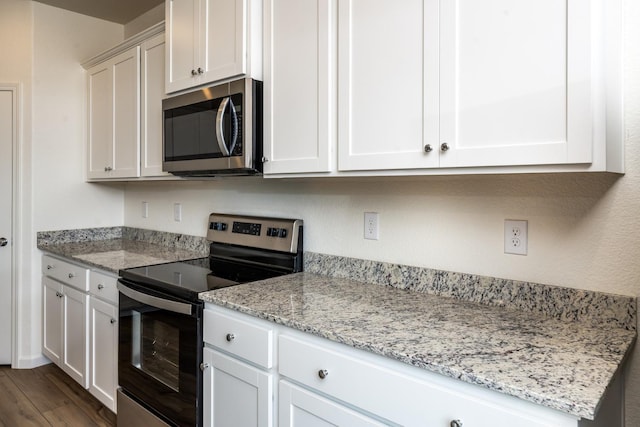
point(119, 11)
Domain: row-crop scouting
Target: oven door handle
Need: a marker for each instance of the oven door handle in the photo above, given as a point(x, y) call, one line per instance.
point(161, 303)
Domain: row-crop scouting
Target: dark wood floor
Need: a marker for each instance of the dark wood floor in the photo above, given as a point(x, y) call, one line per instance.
point(46, 396)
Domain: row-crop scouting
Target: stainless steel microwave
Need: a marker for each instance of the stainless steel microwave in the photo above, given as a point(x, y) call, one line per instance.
point(214, 131)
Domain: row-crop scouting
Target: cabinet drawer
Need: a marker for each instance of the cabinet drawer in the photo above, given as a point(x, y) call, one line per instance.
point(245, 339)
point(380, 389)
point(103, 286)
point(66, 272)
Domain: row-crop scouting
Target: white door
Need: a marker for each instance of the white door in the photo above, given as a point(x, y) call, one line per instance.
point(7, 132)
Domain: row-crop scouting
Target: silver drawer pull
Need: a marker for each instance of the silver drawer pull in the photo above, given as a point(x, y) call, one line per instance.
point(112, 321)
point(100, 286)
point(71, 275)
point(323, 373)
point(455, 423)
point(230, 337)
point(204, 366)
point(49, 266)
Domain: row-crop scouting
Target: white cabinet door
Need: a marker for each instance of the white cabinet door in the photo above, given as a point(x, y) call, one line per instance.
point(223, 31)
point(300, 86)
point(209, 40)
point(388, 76)
point(114, 120)
point(75, 353)
point(100, 120)
point(302, 408)
point(126, 113)
point(152, 54)
point(235, 394)
point(182, 21)
point(515, 82)
point(52, 320)
point(103, 363)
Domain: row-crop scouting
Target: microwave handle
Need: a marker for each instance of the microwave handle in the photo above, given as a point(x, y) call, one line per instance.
point(225, 148)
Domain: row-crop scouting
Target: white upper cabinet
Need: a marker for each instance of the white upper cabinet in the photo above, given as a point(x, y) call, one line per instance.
point(114, 125)
point(515, 82)
point(300, 85)
point(125, 91)
point(152, 82)
point(211, 40)
point(442, 87)
point(388, 52)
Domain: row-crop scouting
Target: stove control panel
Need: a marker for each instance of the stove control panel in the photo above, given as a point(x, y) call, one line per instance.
point(278, 234)
point(246, 228)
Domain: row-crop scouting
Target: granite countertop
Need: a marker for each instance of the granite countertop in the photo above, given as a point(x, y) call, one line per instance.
point(564, 365)
point(111, 251)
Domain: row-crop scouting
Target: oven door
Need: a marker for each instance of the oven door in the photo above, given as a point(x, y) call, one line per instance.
point(159, 353)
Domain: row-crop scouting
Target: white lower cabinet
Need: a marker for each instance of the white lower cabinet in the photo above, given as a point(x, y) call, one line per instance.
point(235, 393)
point(80, 334)
point(74, 332)
point(324, 383)
point(301, 408)
point(66, 314)
point(104, 352)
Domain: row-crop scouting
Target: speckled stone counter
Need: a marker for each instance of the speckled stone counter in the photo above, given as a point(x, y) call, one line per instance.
point(561, 364)
point(115, 248)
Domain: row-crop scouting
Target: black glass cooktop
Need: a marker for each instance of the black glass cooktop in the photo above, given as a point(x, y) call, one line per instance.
point(188, 278)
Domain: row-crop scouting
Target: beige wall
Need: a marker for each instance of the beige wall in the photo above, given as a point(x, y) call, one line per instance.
point(584, 230)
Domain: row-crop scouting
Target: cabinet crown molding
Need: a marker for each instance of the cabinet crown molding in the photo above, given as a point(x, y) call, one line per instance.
point(126, 44)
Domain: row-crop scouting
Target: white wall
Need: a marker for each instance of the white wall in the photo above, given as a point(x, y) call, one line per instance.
point(584, 230)
point(42, 48)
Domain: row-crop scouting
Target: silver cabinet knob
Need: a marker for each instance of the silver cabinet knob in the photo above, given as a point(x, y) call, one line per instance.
point(49, 266)
point(444, 147)
point(108, 168)
point(323, 373)
point(230, 337)
point(264, 160)
point(455, 423)
point(3, 242)
point(113, 321)
point(71, 275)
point(100, 286)
point(200, 70)
point(194, 73)
point(428, 148)
point(59, 294)
point(204, 366)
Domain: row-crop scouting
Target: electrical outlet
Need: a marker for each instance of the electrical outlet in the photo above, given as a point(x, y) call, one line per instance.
point(145, 210)
point(371, 225)
point(515, 237)
point(177, 212)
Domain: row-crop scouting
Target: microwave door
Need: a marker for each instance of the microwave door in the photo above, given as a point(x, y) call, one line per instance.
point(227, 127)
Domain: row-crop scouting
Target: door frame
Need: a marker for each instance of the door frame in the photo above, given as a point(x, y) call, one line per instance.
point(15, 89)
